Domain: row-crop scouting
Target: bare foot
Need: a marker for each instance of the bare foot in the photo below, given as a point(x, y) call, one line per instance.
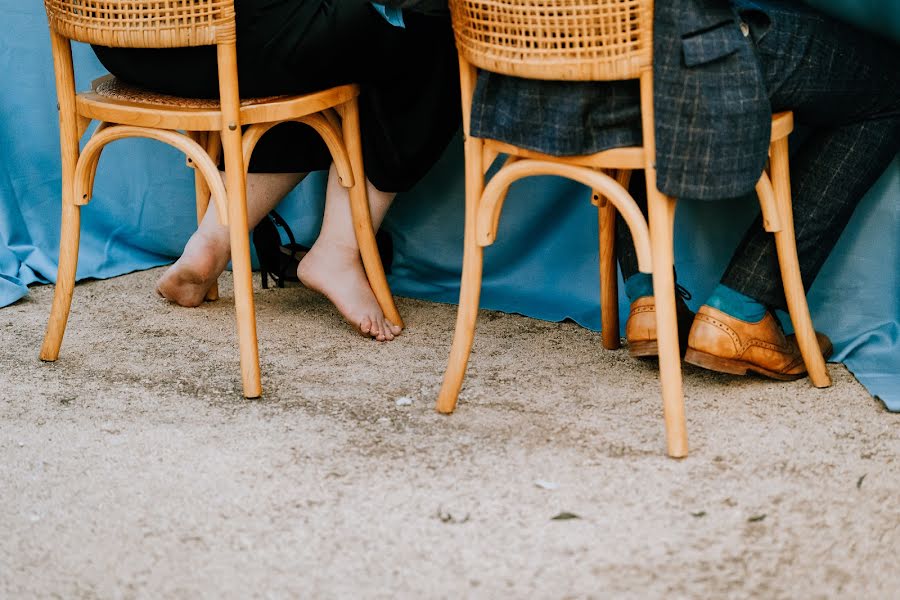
point(188, 280)
point(337, 272)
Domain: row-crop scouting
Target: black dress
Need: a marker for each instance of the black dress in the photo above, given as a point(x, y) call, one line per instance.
point(409, 101)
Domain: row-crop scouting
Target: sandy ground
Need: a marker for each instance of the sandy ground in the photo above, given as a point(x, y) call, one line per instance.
point(132, 467)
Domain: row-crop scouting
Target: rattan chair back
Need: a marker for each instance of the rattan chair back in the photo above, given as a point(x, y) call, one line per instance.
point(574, 40)
point(143, 24)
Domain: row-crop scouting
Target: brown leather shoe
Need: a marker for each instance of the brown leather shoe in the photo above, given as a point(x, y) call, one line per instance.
point(722, 343)
point(640, 328)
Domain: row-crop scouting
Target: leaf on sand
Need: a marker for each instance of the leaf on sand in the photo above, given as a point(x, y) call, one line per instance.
point(859, 481)
point(698, 514)
point(565, 516)
point(756, 519)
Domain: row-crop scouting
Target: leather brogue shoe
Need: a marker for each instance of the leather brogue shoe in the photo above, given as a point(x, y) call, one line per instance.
point(723, 343)
point(640, 328)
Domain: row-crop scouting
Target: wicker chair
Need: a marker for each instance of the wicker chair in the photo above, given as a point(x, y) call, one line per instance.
point(596, 40)
point(200, 129)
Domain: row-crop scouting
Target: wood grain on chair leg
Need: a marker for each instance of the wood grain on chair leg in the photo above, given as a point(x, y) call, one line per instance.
point(661, 217)
point(65, 279)
point(236, 187)
point(662, 220)
point(70, 232)
point(470, 286)
point(609, 280)
point(93, 168)
point(609, 284)
point(362, 217)
point(212, 142)
point(788, 261)
point(201, 190)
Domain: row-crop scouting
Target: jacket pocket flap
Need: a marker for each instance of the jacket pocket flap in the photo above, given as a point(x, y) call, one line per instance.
point(712, 44)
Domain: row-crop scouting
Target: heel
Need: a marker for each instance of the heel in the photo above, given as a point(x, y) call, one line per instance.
point(715, 363)
point(643, 349)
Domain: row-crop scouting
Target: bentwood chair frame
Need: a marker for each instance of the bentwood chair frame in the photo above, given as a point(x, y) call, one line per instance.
point(596, 40)
point(200, 129)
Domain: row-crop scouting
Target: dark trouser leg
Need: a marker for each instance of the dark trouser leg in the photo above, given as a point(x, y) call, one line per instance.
point(830, 175)
point(409, 102)
point(409, 105)
point(625, 252)
point(842, 84)
point(409, 115)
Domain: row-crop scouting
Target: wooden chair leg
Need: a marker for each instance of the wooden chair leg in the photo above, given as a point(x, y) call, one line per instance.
point(470, 286)
point(65, 280)
point(213, 146)
point(70, 231)
point(662, 221)
point(794, 292)
point(609, 283)
point(240, 263)
point(609, 280)
point(93, 168)
point(464, 336)
point(362, 217)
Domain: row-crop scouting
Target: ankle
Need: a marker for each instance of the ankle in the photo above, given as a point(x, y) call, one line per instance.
point(336, 248)
point(218, 242)
point(736, 304)
point(639, 285)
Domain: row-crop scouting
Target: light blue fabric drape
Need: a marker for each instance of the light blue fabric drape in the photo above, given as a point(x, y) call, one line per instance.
point(394, 16)
point(544, 265)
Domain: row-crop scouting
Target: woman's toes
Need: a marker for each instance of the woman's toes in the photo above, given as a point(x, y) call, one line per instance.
point(388, 334)
point(366, 327)
point(340, 277)
point(379, 329)
point(395, 329)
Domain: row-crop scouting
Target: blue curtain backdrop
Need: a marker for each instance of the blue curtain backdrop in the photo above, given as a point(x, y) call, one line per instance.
point(544, 266)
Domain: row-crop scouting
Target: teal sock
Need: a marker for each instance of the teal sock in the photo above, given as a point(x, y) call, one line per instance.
point(638, 286)
point(736, 304)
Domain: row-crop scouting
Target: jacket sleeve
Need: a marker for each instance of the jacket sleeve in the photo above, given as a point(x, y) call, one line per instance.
point(711, 105)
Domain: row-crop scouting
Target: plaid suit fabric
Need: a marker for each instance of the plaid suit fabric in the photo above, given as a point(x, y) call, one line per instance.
point(843, 87)
point(561, 118)
point(712, 113)
point(841, 83)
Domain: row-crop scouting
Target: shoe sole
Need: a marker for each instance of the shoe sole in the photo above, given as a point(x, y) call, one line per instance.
point(734, 367)
point(649, 349)
point(645, 349)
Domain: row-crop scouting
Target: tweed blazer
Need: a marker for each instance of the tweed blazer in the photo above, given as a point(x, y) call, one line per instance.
point(712, 112)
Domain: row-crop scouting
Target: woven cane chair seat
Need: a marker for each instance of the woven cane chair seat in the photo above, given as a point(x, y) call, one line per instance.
point(133, 24)
point(113, 88)
point(575, 40)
